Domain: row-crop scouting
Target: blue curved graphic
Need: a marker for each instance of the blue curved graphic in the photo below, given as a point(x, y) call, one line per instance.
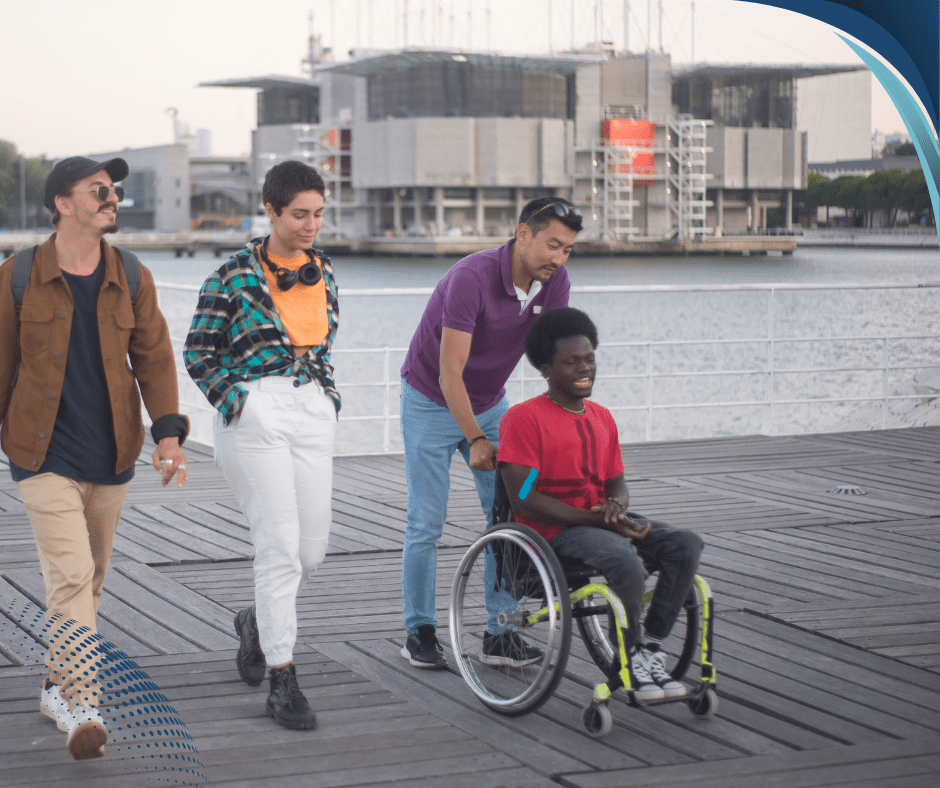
point(145, 732)
point(905, 33)
point(925, 142)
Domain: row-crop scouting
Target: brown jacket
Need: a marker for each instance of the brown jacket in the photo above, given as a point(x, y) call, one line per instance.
point(135, 346)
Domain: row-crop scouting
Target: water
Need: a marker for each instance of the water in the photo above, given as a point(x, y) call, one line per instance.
point(378, 322)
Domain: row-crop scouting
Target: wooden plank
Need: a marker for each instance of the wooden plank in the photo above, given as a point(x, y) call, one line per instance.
point(848, 655)
point(777, 771)
point(177, 608)
point(534, 754)
point(189, 526)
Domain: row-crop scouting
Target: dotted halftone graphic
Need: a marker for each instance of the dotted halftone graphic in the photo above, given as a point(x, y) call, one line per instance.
point(145, 732)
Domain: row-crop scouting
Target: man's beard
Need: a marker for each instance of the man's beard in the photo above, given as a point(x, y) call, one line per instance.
point(111, 228)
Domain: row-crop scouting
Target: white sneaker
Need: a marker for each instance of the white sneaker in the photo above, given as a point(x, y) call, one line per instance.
point(656, 662)
point(54, 706)
point(644, 688)
point(87, 733)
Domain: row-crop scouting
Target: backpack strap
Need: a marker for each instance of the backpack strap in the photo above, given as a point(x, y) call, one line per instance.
point(131, 263)
point(22, 266)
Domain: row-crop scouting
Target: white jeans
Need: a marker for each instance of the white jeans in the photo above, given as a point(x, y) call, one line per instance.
point(277, 457)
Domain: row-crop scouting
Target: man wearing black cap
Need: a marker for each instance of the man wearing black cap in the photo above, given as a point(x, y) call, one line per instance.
point(71, 419)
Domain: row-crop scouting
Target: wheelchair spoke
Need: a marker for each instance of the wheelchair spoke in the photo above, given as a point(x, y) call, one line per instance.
point(510, 631)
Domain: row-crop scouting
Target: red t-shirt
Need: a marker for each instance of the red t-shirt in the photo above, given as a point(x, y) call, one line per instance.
point(573, 454)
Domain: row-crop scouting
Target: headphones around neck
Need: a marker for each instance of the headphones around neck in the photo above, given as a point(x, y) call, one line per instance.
point(308, 274)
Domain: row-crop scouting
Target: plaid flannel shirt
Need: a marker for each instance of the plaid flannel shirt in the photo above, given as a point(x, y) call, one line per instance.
point(237, 335)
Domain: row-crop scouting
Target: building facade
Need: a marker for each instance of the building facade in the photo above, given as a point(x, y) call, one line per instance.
point(157, 189)
point(431, 144)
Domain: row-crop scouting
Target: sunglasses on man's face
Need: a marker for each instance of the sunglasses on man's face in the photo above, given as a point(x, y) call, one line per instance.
point(561, 210)
point(101, 192)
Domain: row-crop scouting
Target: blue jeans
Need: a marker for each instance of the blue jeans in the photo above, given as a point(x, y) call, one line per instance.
point(674, 552)
point(431, 436)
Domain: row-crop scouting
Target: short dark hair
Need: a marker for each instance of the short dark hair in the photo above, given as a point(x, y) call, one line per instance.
point(286, 180)
point(553, 325)
point(538, 215)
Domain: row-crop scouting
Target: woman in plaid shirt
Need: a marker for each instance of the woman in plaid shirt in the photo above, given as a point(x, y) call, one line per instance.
point(259, 348)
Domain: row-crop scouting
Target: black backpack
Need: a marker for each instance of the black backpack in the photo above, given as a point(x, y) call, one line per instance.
point(23, 265)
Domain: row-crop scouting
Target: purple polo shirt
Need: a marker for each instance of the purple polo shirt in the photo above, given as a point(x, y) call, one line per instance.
point(477, 296)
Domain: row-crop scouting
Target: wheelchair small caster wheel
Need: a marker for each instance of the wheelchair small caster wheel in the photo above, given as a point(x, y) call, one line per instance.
point(704, 705)
point(597, 719)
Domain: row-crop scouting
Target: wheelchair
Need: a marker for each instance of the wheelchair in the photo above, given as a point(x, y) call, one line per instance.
point(512, 580)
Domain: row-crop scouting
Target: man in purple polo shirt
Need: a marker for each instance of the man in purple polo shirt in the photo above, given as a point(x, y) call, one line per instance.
point(470, 338)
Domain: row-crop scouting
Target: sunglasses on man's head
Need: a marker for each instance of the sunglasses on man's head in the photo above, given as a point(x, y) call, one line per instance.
point(561, 210)
point(101, 192)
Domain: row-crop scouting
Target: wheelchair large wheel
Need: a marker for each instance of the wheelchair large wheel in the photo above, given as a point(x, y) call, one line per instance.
point(597, 625)
point(512, 581)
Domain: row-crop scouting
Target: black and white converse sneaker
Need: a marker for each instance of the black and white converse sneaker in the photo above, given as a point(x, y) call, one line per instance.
point(656, 664)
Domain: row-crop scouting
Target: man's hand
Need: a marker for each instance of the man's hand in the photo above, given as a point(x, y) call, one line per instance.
point(483, 455)
point(616, 519)
point(169, 459)
point(631, 529)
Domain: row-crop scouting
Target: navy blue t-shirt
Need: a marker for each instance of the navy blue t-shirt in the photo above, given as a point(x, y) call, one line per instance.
point(82, 446)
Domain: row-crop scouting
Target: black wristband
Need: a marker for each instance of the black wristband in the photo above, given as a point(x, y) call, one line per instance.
point(477, 438)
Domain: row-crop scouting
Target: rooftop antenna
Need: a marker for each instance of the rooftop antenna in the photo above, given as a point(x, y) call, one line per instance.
point(572, 25)
point(332, 23)
point(660, 25)
point(489, 47)
point(404, 23)
point(550, 50)
point(626, 25)
point(314, 48)
point(174, 114)
point(649, 26)
point(693, 31)
point(597, 24)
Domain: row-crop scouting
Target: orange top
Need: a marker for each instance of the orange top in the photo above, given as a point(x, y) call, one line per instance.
point(303, 307)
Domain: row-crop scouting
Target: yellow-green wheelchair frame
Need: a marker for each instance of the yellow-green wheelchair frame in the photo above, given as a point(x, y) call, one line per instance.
point(480, 601)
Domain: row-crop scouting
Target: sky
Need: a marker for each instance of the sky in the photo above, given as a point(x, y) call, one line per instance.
point(99, 77)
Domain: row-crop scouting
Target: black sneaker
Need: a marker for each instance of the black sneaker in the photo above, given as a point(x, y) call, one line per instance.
point(422, 649)
point(250, 658)
point(507, 648)
point(286, 703)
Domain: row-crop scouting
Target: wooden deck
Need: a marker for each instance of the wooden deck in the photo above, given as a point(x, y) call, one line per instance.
point(827, 642)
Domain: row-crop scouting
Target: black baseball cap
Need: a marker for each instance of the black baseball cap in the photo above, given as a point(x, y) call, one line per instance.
point(74, 168)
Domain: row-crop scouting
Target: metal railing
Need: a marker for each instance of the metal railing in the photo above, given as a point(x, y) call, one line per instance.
point(893, 354)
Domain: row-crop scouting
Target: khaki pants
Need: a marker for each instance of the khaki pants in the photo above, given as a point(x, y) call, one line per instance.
point(74, 524)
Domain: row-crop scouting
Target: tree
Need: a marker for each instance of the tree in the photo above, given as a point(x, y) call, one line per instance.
point(36, 170)
point(915, 197)
point(848, 193)
point(818, 192)
point(884, 189)
point(899, 149)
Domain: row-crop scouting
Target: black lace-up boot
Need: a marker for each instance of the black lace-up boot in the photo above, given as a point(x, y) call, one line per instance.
point(250, 658)
point(286, 703)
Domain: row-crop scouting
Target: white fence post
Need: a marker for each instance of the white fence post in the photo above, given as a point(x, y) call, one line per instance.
point(649, 391)
point(768, 426)
point(884, 383)
point(386, 361)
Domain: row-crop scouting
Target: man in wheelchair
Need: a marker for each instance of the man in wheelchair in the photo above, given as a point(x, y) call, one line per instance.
point(560, 460)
